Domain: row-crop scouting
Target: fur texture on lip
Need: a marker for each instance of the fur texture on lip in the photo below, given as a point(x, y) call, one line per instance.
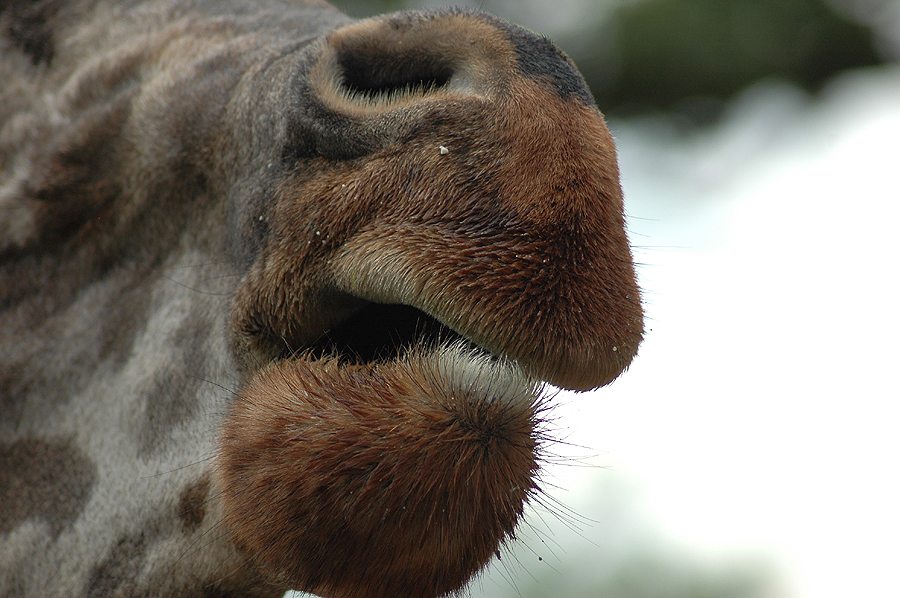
point(399, 480)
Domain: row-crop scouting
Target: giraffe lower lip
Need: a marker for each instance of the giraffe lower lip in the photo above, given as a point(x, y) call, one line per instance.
point(412, 471)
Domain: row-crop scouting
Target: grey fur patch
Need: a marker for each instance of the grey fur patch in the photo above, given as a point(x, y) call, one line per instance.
point(126, 314)
point(115, 575)
point(172, 397)
point(41, 479)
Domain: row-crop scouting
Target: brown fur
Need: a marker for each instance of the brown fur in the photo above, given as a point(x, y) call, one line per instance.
point(397, 480)
point(278, 291)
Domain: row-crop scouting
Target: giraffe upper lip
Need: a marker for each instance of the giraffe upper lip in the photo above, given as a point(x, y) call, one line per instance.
point(560, 331)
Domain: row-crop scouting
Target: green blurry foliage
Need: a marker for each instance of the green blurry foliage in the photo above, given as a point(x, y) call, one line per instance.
point(691, 55)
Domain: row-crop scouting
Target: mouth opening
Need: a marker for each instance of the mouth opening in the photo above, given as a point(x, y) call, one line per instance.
point(381, 332)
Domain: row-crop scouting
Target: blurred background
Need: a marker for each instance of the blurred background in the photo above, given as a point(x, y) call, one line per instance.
point(752, 449)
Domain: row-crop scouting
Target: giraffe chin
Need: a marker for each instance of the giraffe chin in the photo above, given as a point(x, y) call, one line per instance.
point(398, 479)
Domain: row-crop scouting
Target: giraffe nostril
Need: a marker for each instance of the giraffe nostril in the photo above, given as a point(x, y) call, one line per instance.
point(385, 62)
point(404, 70)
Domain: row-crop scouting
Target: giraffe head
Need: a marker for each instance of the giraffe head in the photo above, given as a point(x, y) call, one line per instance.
point(283, 291)
point(445, 236)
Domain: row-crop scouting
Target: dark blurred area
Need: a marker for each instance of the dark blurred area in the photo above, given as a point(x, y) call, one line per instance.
point(689, 57)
